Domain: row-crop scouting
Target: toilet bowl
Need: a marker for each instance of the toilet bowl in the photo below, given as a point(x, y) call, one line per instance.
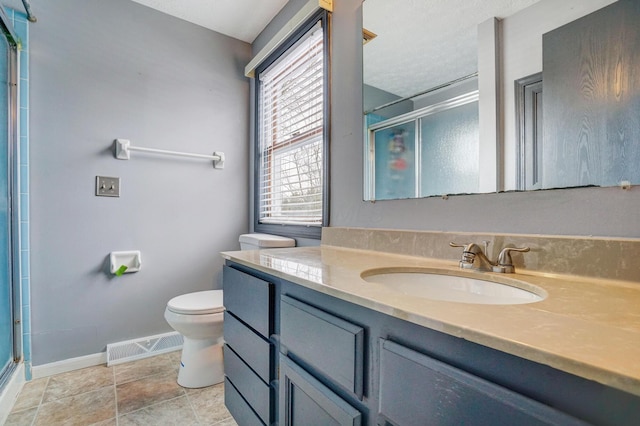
point(198, 317)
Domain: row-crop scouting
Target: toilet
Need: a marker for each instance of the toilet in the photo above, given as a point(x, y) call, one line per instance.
point(198, 317)
point(264, 241)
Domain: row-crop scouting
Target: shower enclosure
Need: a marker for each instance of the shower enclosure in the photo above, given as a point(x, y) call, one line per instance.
point(10, 327)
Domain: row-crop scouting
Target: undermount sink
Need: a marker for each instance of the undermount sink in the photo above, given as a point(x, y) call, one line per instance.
point(433, 285)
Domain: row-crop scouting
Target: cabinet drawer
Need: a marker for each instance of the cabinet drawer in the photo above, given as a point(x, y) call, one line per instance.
point(330, 344)
point(248, 298)
point(251, 347)
point(238, 407)
point(306, 401)
point(257, 393)
point(417, 389)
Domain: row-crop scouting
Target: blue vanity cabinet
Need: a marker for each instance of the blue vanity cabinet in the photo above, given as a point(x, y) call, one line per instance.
point(418, 389)
point(249, 353)
point(334, 362)
point(413, 375)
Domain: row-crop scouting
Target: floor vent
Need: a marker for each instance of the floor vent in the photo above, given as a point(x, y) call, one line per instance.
point(144, 347)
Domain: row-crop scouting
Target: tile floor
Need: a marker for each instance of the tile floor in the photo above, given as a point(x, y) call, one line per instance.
point(143, 392)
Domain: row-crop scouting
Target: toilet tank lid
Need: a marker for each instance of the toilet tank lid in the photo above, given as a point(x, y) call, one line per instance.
point(267, 240)
point(200, 302)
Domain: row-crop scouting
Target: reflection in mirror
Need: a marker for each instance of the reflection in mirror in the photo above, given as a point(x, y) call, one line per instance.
point(420, 141)
point(432, 150)
point(591, 103)
point(590, 128)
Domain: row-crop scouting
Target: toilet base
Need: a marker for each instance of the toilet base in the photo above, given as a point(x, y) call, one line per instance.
point(201, 364)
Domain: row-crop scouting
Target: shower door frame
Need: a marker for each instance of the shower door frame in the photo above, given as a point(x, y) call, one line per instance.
point(13, 262)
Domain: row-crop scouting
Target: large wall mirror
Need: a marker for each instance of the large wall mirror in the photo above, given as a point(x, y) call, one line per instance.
point(422, 104)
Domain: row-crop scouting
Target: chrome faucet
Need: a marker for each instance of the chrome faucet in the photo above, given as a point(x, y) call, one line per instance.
point(504, 264)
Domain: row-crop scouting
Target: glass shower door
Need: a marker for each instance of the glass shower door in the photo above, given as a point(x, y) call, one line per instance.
point(7, 127)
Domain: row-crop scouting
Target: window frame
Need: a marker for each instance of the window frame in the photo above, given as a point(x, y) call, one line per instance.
point(291, 230)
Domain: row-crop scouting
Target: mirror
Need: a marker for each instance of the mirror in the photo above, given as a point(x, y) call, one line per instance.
point(422, 59)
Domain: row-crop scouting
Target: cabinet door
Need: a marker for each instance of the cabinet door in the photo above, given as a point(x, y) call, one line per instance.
point(416, 389)
point(592, 97)
point(248, 298)
point(306, 401)
point(332, 345)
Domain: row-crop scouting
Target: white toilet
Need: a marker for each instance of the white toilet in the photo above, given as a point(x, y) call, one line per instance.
point(198, 317)
point(264, 241)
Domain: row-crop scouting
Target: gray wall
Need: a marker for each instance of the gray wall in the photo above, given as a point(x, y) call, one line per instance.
point(584, 211)
point(102, 70)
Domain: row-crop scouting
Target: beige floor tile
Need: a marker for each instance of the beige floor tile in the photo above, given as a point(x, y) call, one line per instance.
point(76, 382)
point(110, 422)
point(175, 358)
point(141, 393)
point(209, 404)
point(226, 422)
point(71, 398)
point(21, 418)
point(81, 410)
point(31, 394)
point(173, 412)
point(143, 368)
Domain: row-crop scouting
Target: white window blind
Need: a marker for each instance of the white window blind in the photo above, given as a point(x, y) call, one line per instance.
point(291, 122)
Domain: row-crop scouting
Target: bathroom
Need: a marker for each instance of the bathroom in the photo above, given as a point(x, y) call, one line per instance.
point(99, 71)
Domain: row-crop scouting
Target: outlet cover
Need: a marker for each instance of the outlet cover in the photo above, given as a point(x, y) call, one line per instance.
point(107, 186)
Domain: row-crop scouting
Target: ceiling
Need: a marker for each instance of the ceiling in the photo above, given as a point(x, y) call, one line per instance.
point(419, 43)
point(423, 43)
point(241, 19)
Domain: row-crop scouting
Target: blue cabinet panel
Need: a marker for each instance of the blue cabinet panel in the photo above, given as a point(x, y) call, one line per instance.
point(257, 393)
point(249, 298)
point(306, 401)
point(416, 389)
point(238, 407)
point(330, 344)
point(251, 347)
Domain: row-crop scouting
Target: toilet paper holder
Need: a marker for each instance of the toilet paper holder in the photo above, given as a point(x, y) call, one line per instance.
point(131, 260)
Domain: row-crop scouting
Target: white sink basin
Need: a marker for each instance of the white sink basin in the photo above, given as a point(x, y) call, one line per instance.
point(454, 288)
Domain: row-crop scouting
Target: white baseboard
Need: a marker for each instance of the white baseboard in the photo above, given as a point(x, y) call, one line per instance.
point(46, 370)
point(10, 392)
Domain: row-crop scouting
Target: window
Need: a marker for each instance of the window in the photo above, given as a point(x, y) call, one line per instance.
point(292, 135)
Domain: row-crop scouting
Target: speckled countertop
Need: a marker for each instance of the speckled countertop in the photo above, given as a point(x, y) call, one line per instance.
point(588, 327)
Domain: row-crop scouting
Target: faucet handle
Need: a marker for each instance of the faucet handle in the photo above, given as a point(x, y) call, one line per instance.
point(505, 262)
point(468, 257)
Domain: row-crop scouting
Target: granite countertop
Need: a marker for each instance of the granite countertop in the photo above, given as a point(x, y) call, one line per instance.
point(588, 327)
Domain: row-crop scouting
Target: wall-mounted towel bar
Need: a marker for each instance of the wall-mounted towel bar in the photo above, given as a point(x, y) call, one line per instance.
point(123, 148)
point(27, 8)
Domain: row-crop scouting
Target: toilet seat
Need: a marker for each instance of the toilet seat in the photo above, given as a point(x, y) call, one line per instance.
point(198, 303)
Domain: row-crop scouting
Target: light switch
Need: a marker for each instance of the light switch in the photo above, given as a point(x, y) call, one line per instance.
point(107, 186)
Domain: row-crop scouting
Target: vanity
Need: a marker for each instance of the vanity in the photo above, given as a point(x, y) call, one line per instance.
point(314, 339)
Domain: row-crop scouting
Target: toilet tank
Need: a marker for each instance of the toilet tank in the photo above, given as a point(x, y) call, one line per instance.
point(264, 241)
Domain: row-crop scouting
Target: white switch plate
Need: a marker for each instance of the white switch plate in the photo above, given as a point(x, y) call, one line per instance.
point(107, 186)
